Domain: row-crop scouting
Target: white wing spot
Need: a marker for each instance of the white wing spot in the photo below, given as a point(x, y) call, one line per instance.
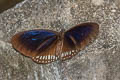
point(62, 54)
point(48, 56)
point(66, 53)
point(43, 57)
point(43, 61)
point(53, 57)
point(56, 58)
point(37, 56)
point(48, 61)
point(73, 51)
point(70, 52)
point(37, 60)
point(40, 57)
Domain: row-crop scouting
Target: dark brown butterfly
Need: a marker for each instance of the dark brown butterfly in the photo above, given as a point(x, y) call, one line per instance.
point(45, 46)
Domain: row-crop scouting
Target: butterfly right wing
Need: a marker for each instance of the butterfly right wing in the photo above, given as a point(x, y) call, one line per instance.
point(39, 45)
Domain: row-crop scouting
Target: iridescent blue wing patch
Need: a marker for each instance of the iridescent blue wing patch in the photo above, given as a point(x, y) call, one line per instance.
point(34, 38)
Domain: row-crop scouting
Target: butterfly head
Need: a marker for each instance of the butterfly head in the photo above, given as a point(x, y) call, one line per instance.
point(61, 34)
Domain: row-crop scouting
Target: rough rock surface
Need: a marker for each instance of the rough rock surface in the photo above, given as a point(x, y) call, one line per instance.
point(98, 61)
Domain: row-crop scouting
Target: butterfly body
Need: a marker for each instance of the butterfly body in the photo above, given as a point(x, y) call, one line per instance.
point(45, 46)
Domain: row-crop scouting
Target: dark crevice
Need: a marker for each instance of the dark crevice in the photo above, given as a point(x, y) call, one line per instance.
point(6, 4)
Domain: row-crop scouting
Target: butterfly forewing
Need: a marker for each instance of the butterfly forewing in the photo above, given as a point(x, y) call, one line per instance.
point(77, 38)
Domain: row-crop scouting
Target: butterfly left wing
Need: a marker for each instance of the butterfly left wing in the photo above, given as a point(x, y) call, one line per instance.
point(77, 38)
point(39, 45)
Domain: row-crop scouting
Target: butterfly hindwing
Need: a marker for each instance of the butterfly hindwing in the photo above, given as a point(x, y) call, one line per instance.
point(78, 37)
point(48, 55)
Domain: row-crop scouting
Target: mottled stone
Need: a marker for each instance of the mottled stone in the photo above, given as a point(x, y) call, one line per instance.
point(98, 61)
point(97, 2)
point(117, 2)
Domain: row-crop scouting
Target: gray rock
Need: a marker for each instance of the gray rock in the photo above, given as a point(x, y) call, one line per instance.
point(98, 61)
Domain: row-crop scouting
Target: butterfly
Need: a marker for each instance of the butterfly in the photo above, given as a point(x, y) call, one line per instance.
point(45, 46)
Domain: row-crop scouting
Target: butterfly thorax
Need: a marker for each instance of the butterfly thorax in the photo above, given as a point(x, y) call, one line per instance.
point(60, 43)
point(61, 34)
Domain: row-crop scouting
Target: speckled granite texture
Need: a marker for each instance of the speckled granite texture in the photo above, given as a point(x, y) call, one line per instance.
point(98, 61)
